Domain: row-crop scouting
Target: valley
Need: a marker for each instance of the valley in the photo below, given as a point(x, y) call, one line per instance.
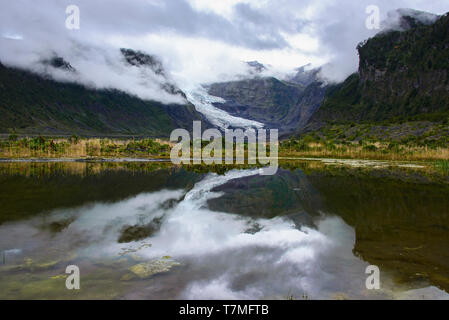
point(94, 123)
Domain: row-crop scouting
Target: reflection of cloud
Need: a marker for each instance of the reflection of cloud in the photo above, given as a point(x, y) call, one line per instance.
point(219, 259)
point(224, 261)
point(216, 289)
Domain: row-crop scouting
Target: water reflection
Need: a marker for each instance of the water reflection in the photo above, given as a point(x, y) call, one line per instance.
point(177, 234)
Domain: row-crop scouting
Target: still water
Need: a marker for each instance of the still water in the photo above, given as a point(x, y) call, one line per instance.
point(155, 231)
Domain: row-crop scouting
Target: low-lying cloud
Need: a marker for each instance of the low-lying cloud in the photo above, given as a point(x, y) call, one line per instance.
point(198, 41)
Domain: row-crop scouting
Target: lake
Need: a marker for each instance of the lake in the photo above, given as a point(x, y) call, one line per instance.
point(157, 231)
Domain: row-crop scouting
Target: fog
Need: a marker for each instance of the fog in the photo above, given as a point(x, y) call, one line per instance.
point(198, 41)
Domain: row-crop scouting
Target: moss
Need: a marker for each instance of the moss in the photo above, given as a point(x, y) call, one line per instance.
point(139, 232)
point(148, 269)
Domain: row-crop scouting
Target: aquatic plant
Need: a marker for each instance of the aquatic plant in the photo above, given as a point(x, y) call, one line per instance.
point(442, 166)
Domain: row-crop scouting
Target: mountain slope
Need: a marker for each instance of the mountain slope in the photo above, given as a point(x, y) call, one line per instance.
point(304, 76)
point(404, 19)
point(30, 103)
point(402, 76)
point(278, 104)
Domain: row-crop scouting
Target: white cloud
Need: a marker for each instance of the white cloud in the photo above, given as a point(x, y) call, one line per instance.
point(198, 40)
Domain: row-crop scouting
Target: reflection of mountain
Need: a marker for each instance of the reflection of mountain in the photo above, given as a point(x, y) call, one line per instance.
point(403, 227)
point(285, 193)
point(47, 186)
point(401, 222)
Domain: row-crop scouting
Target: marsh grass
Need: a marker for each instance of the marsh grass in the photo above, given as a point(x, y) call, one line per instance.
point(75, 147)
point(442, 166)
point(370, 151)
point(80, 169)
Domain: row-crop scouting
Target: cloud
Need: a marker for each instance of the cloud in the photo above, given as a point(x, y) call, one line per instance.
point(198, 41)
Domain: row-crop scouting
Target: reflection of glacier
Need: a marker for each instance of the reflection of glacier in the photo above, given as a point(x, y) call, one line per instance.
point(220, 118)
point(222, 255)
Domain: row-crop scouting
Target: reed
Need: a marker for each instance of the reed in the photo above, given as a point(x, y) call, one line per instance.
point(442, 166)
point(74, 147)
point(371, 151)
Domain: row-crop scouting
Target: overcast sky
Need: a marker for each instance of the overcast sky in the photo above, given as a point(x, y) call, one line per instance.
point(199, 41)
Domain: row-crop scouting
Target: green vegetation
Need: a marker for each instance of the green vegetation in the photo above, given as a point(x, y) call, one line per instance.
point(338, 141)
point(360, 142)
point(443, 166)
point(45, 147)
point(402, 77)
point(417, 133)
point(33, 104)
point(27, 189)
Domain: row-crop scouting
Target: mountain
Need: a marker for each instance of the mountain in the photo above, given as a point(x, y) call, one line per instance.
point(256, 67)
point(139, 59)
point(143, 60)
point(402, 76)
point(37, 104)
point(278, 104)
point(304, 76)
point(405, 19)
point(58, 63)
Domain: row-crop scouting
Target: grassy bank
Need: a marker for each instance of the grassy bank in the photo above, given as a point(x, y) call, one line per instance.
point(412, 140)
point(363, 150)
point(75, 147)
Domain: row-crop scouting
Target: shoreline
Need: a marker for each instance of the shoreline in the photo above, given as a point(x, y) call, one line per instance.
point(101, 159)
point(351, 162)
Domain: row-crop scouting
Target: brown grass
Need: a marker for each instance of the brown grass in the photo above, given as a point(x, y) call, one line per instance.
point(96, 147)
point(356, 151)
point(84, 148)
